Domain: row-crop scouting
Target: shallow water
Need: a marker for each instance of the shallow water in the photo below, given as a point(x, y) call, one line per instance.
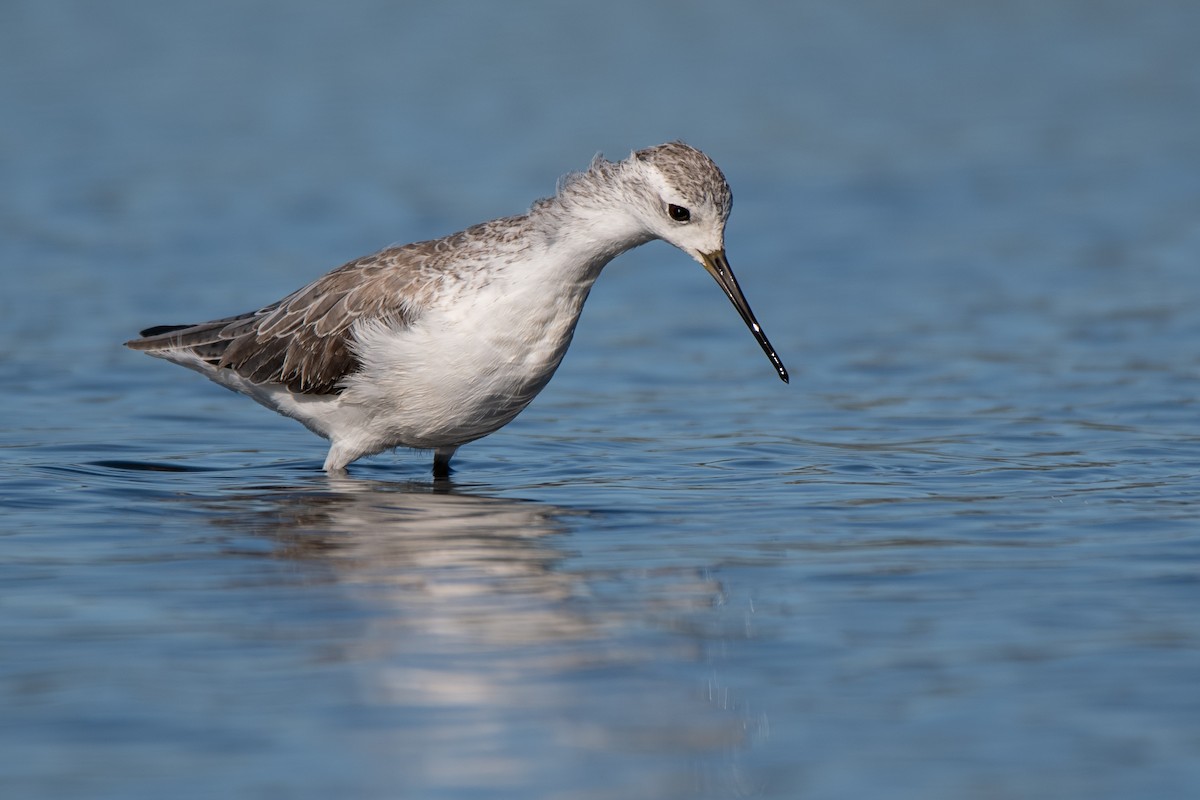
point(957, 556)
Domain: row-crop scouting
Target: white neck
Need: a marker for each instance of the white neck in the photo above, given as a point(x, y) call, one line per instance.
point(581, 231)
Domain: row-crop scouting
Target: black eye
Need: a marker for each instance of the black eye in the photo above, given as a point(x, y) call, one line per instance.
point(678, 213)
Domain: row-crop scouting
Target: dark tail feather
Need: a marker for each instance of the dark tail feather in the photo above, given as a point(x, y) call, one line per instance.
point(158, 329)
point(166, 337)
point(170, 337)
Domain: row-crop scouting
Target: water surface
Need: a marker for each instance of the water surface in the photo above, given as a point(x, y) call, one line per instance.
point(957, 556)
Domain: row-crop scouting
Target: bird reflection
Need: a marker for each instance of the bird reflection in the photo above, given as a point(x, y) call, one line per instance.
point(466, 625)
point(435, 557)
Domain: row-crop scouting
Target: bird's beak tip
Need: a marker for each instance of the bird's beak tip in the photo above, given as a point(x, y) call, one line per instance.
point(717, 265)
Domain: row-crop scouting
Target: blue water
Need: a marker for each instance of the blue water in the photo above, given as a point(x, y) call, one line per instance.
point(958, 556)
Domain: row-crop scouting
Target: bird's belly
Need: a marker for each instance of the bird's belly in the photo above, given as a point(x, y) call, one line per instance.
point(435, 384)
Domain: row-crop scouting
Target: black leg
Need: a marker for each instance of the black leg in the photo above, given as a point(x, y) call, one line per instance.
point(441, 466)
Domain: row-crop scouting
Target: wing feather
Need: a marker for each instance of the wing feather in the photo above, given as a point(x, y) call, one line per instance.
point(304, 340)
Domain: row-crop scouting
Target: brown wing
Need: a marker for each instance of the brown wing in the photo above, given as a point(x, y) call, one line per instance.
point(303, 341)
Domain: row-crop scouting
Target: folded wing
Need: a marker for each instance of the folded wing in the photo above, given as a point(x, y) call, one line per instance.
point(304, 341)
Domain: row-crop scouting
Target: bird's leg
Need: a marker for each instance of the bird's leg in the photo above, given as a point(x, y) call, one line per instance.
point(441, 462)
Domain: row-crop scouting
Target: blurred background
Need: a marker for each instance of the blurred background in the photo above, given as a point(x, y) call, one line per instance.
point(955, 557)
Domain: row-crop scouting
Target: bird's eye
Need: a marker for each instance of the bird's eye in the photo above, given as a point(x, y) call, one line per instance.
point(678, 213)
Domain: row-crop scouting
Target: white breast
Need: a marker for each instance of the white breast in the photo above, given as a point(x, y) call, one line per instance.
point(463, 369)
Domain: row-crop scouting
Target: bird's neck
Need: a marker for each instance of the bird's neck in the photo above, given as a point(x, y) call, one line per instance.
point(578, 236)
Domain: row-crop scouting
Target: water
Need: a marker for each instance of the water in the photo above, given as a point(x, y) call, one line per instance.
point(957, 556)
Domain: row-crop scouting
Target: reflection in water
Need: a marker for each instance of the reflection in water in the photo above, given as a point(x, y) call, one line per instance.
point(490, 661)
point(447, 563)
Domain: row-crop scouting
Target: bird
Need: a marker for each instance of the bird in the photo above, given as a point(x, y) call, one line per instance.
point(437, 343)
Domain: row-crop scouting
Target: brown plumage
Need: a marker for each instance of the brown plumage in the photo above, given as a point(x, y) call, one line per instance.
point(304, 340)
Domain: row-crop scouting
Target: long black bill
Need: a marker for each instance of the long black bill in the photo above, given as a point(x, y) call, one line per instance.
point(718, 267)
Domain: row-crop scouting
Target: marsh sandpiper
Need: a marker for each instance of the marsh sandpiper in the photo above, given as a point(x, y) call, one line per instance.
point(435, 344)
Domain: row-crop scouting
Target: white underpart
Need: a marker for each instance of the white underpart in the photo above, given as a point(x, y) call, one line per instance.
point(460, 372)
point(312, 410)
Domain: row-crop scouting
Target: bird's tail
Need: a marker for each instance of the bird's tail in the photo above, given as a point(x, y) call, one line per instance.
point(206, 339)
